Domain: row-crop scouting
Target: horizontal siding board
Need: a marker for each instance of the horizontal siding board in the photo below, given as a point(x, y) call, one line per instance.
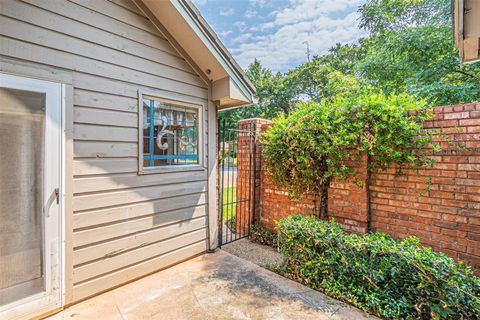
point(104, 133)
point(104, 166)
point(92, 18)
point(104, 117)
point(36, 53)
point(96, 149)
point(16, 66)
point(52, 21)
point(94, 218)
point(119, 13)
point(54, 40)
point(96, 200)
point(112, 263)
point(121, 245)
point(124, 181)
point(135, 271)
point(127, 4)
point(119, 88)
point(103, 233)
point(85, 98)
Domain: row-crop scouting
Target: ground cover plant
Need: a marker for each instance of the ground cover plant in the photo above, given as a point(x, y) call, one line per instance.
point(390, 278)
point(262, 235)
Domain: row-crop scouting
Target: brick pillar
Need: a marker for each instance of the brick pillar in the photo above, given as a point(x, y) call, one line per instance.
point(248, 171)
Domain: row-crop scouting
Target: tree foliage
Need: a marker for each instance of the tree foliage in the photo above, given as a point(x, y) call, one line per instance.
point(380, 16)
point(411, 51)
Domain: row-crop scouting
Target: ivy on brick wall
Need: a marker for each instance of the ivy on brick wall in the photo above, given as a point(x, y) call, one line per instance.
point(320, 142)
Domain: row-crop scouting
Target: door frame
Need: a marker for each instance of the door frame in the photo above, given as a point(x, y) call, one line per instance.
point(54, 298)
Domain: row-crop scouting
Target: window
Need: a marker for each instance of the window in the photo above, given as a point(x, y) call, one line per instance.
point(170, 133)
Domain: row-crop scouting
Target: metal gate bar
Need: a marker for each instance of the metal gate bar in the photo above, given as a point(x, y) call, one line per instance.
point(236, 178)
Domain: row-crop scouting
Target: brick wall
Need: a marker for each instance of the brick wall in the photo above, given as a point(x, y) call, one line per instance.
point(447, 217)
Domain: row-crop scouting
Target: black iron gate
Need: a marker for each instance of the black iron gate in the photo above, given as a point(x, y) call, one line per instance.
point(236, 179)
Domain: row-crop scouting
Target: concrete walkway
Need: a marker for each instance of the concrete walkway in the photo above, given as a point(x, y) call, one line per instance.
point(212, 286)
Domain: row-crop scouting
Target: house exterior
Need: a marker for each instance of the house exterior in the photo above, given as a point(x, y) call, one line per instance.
point(108, 114)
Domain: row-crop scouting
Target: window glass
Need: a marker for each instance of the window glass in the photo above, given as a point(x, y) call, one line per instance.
point(170, 134)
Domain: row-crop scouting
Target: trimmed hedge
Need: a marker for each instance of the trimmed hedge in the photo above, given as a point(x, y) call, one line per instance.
point(390, 278)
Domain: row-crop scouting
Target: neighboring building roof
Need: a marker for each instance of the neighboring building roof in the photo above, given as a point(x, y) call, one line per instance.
point(184, 23)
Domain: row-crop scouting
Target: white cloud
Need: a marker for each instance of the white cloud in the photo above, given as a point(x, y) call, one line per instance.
point(200, 2)
point(242, 38)
point(249, 14)
point(302, 10)
point(226, 12)
point(225, 34)
point(260, 3)
point(279, 46)
point(242, 26)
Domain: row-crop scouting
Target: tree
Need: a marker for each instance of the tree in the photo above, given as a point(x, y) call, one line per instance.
point(344, 57)
point(411, 51)
point(316, 81)
point(320, 142)
point(274, 97)
point(380, 16)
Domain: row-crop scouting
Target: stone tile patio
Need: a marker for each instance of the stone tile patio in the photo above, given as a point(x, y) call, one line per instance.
point(212, 286)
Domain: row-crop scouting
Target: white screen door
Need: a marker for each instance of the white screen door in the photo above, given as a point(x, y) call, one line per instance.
point(30, 214)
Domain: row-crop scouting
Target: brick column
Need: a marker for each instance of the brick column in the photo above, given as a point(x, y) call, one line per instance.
point(248, 171)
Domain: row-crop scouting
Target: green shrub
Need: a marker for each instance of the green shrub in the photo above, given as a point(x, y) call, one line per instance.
point(263, 236)
point(390, 278)
point(318, 142)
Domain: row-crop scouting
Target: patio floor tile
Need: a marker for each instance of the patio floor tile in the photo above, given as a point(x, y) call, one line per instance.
point(212, 286)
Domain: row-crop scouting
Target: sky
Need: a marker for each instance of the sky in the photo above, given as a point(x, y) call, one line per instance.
point(275, 31)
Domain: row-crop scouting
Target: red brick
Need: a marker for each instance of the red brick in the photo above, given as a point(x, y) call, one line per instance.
point(475, 114)
point(429, 214)
point(445, 209)
point(474, 129)
point(474, 159)
point(454, 203)
point(469, 167)
point(469, 107)
point(457, 115)
point(449, 123)
point(469, 122)
point(454, 218)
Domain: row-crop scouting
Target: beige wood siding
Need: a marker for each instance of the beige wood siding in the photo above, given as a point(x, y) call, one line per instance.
point(124, 225)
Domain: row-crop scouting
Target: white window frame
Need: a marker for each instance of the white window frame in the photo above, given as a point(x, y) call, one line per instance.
point(172, 168)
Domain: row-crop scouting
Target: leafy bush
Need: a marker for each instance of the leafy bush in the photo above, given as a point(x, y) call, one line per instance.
point(319, 142)
point(263, 236)
point(390, 278)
